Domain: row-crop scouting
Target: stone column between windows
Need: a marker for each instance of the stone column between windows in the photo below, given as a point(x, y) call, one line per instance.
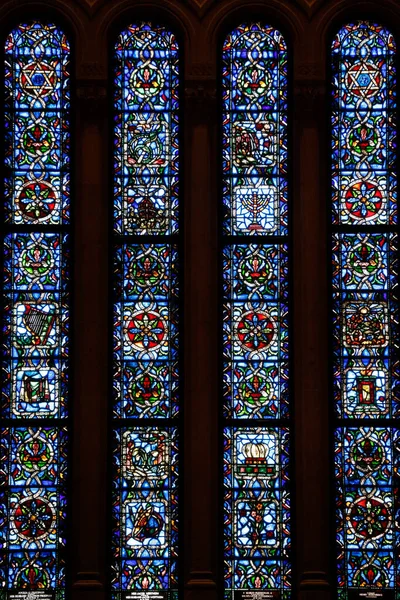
point(90, 479)
point(310, 339)
point(200, 394)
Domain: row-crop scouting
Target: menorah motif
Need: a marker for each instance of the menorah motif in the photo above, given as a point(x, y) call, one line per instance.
point(259, 205)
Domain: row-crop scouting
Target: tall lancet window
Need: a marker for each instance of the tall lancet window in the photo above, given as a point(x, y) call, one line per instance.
point(146, 328)
point(365, 311)
point(35, 311)
point(255, 327)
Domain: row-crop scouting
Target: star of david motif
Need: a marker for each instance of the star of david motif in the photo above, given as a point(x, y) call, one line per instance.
point(364, 80)
point(38, 79)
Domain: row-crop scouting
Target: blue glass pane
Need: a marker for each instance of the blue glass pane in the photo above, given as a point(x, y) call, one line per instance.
point(146, 331)
point(255, 334)
point(35, 316)
point(257, 510)
point(145, 509)
point(365, 310)
point(255, 314)
point(146, 324)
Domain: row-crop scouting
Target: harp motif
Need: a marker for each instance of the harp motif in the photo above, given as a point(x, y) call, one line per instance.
point(38, 323)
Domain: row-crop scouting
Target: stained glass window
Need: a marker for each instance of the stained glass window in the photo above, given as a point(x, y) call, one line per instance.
point(365, 311)
point(255, 247)
point(35, 238)
point(146, 313)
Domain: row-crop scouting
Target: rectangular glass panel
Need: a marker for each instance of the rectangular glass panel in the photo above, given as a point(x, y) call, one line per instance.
point(257, 511)
point(145, 509)
point(255, 281)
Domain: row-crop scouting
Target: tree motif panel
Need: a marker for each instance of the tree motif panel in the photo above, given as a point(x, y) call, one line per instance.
point(35, 360)
point(365, 310)
point(146, 325)
point(146, 132)
point(255, 314)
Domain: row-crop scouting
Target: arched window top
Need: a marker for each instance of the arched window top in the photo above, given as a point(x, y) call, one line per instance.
point(254, 69)
point(363, 38)
point(140, 35)
point(363, 121)
point(363, 62)
point(46, 36)
point(147, 76)
point(37, 67)
point(249, 33)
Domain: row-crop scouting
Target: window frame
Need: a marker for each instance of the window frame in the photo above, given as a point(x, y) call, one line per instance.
point(52, 15)
point(335, 25)
point(231, 22)
point(155, 17)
